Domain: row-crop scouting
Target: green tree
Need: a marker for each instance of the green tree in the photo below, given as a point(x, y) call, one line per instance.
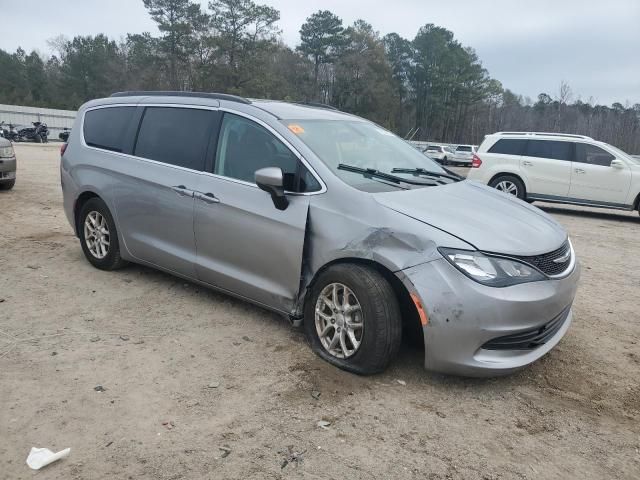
point(363, 76)
point(399, 55)
point(175, 20)
point(245, 36)
point(91, 68)
point(321, 37)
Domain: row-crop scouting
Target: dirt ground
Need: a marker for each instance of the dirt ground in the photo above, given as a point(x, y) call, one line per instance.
point(199, 385)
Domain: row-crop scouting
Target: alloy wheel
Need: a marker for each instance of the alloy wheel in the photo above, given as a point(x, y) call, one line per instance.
point(96, 234)
point(339, 320)
point(507, 186)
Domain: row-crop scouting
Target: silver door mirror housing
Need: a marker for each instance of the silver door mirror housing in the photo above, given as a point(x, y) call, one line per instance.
point(617, 163)
point(271, 180)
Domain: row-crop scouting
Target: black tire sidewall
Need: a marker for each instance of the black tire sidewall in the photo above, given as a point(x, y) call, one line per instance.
point(7, 185)
point(368, 359)
point(112, 260)
point(521, 190)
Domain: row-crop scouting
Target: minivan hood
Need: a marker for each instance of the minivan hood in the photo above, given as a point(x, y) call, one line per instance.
point(489, 220)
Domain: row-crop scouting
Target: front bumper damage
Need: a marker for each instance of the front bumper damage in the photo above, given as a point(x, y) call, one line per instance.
point(464, 315)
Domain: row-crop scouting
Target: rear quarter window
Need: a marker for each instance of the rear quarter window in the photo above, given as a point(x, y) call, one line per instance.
point(508, 146)
point(106, 128)
point(176, 136)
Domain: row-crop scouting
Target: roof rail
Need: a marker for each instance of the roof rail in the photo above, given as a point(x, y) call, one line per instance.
point(316, 104)
point(546, 134)
point(214, 96)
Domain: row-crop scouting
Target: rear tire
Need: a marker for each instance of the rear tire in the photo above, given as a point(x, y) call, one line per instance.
point(445, 161)
point(7, 185)
point(509, 184)
point(98, 235)
point(377, 315)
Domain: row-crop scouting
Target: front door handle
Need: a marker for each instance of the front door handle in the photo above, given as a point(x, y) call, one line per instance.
point(527, 164)
point(182, 191)
point(580, 170)
point(207, 197)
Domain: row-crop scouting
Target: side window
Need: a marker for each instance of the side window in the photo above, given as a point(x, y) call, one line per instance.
point(106, 128)
point(550, 149)
point(509, 146)
point(244, 147)
point(177, 136)
point(593, 155)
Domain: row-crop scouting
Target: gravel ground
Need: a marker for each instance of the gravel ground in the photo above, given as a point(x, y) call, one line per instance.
point(200, 385)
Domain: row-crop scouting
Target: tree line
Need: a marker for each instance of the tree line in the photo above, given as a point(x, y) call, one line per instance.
point(429, 88)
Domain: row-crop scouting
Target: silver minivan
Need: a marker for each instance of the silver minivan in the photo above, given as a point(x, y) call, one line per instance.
point(326, 218)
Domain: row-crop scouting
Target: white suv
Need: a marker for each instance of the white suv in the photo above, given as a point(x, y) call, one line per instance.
point(463, 154)
point(559, 168)
point(439, 153)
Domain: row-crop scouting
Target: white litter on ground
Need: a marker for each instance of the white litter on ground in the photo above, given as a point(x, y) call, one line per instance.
point(41, 457)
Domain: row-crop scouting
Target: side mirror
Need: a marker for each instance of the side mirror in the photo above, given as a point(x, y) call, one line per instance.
point(617, 163)
point(271, 180)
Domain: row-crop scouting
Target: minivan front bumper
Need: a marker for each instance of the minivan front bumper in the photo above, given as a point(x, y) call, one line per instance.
point(476, 330)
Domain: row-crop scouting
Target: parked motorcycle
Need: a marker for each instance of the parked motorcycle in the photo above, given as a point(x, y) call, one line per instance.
point(9, 131)
point(64, 135)
point(39, 133)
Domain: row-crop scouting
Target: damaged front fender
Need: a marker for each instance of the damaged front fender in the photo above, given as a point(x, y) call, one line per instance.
point(365, 231)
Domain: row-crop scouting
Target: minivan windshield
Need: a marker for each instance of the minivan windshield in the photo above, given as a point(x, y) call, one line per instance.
point(340, 143)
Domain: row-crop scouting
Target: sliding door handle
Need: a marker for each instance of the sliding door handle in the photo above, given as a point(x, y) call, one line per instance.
point(207, 197)
point(580, 170)
point(182, 191)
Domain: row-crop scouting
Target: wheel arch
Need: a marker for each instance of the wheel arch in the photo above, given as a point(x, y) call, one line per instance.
point(510, 174)
point(409, 314)
point(636, 203)
point(82, 199)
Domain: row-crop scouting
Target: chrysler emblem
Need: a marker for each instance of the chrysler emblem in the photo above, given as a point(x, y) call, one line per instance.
point(563, 258)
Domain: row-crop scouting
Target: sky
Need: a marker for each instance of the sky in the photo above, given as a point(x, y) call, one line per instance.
point(528, 45)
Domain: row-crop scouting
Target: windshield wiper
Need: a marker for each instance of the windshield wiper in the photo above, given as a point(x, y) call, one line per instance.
point(422, 171)
point(372, 172)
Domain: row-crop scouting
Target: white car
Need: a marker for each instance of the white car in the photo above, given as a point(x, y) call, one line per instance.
point(463, 154)
point(558, 168)
point(438, 152)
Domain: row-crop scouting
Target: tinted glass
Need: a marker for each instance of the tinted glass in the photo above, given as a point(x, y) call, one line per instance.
point(244, 147)
point(107, 127)
point(509, 146)
point(463, 149)
point(433, 148)
point(593, 155)
point(550, 149)
point(177, 136)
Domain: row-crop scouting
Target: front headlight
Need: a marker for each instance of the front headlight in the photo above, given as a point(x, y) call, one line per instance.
point(6, 152)
point(492, 271)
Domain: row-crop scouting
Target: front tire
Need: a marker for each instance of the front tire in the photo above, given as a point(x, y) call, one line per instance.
point(37, 138)
point(98, 235)
point(352, 319)
point(7, 185)
point(509, 184)
point(445, 161)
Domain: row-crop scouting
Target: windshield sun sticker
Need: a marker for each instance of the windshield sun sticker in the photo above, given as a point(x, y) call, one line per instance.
point(297, 129)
